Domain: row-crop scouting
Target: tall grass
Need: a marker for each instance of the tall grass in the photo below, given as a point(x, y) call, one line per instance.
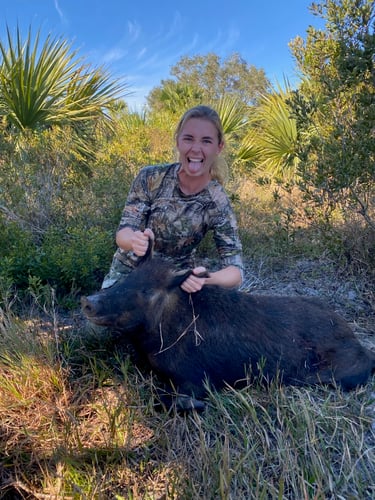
point(78, 421)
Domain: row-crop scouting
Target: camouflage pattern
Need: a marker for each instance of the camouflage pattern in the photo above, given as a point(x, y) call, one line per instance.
point(179, 221)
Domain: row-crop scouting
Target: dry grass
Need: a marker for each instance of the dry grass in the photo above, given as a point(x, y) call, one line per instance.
point(78, 421)
point(279, 224)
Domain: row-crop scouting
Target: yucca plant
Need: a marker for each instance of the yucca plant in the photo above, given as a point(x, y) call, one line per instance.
point(43, 84)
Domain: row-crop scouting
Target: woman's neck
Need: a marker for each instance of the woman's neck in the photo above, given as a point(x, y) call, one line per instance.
point(192, 185)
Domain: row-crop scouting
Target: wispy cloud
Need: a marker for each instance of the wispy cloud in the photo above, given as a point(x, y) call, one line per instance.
point(141, 53)
point(121, 48)
point(134, 31)
point(231, 39)
point(146, 56)
point(175, 27)
point(60, 12)
point(222, 43)
point(113, 55)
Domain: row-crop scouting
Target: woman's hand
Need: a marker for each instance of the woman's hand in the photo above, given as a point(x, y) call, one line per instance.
point(137, 241)
point(140, 241)
point(194, 282)
point(228, 277)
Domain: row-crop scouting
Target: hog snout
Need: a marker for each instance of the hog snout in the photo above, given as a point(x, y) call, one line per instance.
point(90, 305)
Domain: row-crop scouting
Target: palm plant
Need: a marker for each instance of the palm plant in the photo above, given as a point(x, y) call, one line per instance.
point(233, 115)
point(270, 144)
point(47, 85)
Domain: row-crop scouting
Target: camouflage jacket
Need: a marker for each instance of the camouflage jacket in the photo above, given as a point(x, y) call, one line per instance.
point(179, 221)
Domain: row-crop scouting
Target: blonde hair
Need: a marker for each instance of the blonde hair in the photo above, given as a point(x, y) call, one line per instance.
point(219, 168)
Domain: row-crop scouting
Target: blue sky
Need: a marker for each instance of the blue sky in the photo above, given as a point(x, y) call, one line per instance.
point(140, 40)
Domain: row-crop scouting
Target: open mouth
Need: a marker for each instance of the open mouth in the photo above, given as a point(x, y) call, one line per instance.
point(195, 164)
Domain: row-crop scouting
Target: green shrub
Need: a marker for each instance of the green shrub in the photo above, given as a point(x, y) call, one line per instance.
point(75, 257)
point(18, 254)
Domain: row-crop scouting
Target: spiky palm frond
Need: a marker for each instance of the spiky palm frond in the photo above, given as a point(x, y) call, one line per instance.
point(232, 112)
point(45, 84)
point(270, 144)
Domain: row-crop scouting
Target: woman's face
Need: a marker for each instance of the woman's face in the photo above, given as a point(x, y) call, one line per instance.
point(198, 146)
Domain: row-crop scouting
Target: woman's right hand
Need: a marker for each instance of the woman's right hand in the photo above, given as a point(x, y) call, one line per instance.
point(137, 241)
point(140, 241)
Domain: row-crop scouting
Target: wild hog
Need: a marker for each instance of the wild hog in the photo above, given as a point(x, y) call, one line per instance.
point(225, 335)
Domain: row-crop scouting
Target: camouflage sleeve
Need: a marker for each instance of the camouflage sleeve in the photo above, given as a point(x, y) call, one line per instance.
point(226, 237)
point(138, 202)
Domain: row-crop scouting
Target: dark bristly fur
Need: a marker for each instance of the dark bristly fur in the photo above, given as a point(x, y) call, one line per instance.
point(223, 335)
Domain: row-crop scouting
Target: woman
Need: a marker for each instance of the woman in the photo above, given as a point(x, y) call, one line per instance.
point(177, 204)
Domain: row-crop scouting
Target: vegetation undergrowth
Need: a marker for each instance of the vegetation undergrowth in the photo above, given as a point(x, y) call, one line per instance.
point(79, 421)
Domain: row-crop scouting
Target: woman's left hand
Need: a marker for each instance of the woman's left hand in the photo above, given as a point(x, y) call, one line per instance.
point(194, 282)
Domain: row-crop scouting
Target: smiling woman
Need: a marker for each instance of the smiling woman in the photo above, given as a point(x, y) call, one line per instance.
point(177, 204)
point(198, 147)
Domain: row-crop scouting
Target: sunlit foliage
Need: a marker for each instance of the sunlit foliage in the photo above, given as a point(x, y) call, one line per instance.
point(43, 84)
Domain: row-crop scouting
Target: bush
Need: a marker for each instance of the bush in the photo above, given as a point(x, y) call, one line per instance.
point(18, 254)
point(59, 215)
point(75, 258)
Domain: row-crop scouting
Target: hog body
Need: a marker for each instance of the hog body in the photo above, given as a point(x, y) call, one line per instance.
point(226, 335)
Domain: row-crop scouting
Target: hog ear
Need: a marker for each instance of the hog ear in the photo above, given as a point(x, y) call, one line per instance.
point(149, 252)
point(179, 277)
